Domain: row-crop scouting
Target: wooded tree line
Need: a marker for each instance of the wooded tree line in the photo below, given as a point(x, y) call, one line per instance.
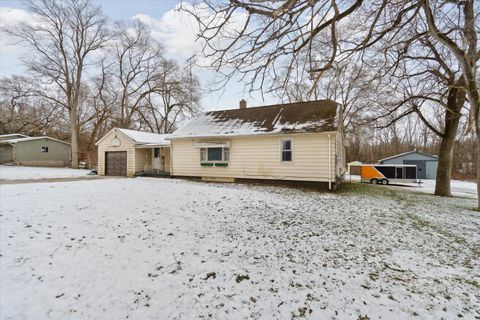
point(86, 74)
point(392, 64)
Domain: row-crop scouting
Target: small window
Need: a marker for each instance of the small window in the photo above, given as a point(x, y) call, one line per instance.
point(214, 154)
point(45, 149)
point(156, 152)
point(286, 150)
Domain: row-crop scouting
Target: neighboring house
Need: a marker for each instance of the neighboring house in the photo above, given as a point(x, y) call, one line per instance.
point(426, 163)
point(123, 152)
point(294, 142)
point(34, 151)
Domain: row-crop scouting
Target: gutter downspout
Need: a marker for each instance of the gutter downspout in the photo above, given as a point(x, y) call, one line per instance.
point(329, 163)
point(171, 158)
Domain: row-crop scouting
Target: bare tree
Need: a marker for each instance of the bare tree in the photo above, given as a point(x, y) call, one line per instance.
point(61, 38)
point(102, 101)
point(152, 90)
point(459, 35)
point(137, 66)
point(423, 82)
point(257, 39)
point(427, 78)
point(22, 111)
point(176, 98)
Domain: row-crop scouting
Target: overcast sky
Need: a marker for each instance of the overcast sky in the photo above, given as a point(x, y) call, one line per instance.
point(173, 28)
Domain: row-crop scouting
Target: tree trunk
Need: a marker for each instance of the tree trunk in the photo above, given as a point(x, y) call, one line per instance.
point(74, 131)
point(444, 170)
point(469, 68)
point(478, 170)
point(91, 143)
point(456, 100)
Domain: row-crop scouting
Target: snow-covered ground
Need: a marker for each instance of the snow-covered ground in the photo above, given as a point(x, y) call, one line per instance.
point(35, 173)
point(172, 249)
point(459, 188)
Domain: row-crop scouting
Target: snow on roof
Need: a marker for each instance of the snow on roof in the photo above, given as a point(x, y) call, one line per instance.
point(301, 117)
point(13, 141)
point(146, 138)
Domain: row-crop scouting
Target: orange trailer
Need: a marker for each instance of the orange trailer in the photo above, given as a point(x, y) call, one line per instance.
point(386, 173)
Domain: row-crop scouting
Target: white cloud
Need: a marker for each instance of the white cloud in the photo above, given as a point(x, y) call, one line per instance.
point(13, 16)
point(10, 51)
point(176, 30)
point(9, 18)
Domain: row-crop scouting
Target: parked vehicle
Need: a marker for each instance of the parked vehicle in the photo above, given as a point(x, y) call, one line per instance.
point(388, 173)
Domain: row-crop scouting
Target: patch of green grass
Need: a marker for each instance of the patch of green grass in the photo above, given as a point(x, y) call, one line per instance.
point(361, 188)
point(407, 200)
point(376, 191)
point(404, 196)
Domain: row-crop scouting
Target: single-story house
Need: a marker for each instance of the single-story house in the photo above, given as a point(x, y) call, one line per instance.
point(291, 142)
point(427, 164)
point(34, 151)
point(123, 152)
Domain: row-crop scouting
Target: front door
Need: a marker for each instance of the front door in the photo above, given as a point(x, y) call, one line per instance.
point(156, 159)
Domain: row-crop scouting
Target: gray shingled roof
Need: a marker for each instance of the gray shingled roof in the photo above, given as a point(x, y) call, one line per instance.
point(301, 117)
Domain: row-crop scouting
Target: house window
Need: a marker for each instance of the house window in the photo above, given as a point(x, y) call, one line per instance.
point(287, 150)
point(45, 149)
point(215, 155)
point(156, 152)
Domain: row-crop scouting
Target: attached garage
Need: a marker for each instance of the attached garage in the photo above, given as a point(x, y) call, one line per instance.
point(116, 163)
point(124, 152)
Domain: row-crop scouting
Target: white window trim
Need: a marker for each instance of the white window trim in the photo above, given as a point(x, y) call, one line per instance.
point(215, 161)
point(292, 144)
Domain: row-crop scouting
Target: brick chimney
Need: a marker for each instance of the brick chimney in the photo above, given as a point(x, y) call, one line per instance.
point(243, 104)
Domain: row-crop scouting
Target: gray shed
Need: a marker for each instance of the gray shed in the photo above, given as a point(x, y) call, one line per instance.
point(426, 163)
point(34, 151)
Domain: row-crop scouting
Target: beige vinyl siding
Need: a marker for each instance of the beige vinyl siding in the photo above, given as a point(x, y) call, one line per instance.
point(141, 159)
point(340, 150)
point(259, 157)
point(165, 152)
point(126, 144)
